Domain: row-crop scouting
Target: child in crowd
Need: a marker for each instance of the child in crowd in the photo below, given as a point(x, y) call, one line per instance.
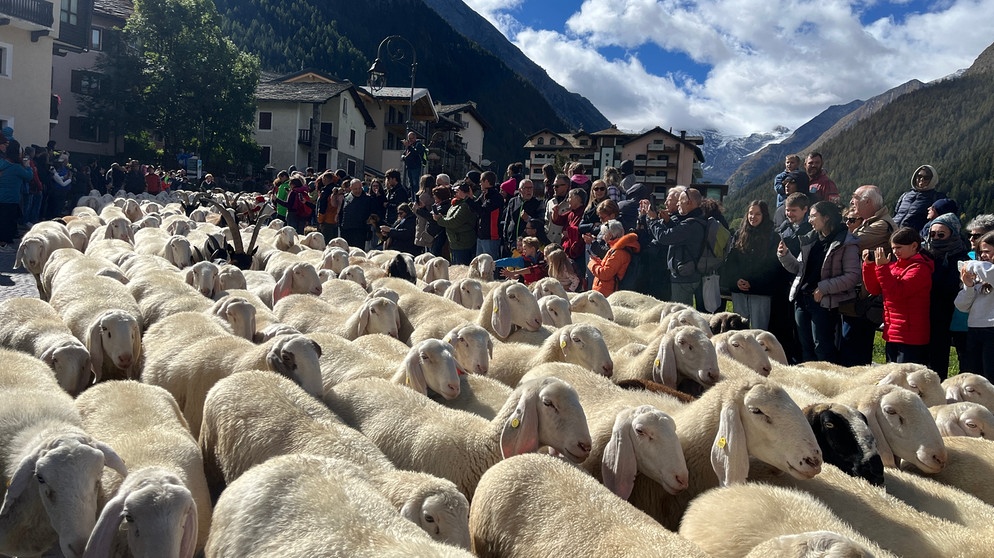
point(533, 263)
point(905, 284)
point(561, 268)
point(977, 299)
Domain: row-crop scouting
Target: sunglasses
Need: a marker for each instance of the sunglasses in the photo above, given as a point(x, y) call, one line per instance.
point(923, 176)
point(599, 189)
point(976, 235)
point(937, 235)
point(853, 219)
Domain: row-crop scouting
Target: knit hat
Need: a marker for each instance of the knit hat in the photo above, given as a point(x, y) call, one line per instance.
point(950, 220)
point(474, 176)
point(801, 179)
point(8, 132)
point(509, 187)
point(627, 167)
point(945, 205)
point(636, 192)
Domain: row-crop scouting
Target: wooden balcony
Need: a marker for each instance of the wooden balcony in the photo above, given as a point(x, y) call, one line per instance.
point(38, 12)
point(662, 147)
point(326, 141)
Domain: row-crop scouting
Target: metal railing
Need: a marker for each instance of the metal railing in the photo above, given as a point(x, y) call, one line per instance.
point(327, 141)
point(40, 12)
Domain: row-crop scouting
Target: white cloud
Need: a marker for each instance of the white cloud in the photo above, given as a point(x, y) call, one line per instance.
point(769, 62)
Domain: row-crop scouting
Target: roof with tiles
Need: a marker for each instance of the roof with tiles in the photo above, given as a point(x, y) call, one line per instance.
point(114, 8)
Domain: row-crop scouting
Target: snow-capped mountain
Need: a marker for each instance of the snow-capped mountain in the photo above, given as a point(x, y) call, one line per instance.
point(723, 154)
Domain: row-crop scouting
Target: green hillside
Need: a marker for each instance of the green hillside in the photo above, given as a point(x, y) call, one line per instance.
point(340, 38)
point(949, 125)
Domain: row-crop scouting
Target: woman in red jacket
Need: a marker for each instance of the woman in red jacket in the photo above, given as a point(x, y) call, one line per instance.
point(905, 285)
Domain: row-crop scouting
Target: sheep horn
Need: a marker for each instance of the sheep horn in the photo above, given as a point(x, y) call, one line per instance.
point(236, 237)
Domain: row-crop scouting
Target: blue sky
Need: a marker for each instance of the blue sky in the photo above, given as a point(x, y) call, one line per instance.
point(739, 66)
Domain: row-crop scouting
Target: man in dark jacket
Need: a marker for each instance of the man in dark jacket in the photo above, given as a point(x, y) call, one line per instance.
point(356, 209)
point(912, 207)
point(487, 207)
point(522, 207)
point(414, 156)
point(394, 195)
point(685, 239)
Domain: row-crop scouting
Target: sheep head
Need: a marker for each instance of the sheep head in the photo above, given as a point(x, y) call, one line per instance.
point(430, 364)
point(846, 441)
point(512, 304)
point(71, 364)
point(544, 412)
point(964, 418)
point(378, 315)
point(685, 351)
point(465, 292)
point(644, 440)
point(296, 357)
point(555, 311)
point(116, 336)
point(583, 344)
point(472, 347)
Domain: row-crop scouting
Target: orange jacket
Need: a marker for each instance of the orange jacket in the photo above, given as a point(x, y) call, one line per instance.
point(612, 267)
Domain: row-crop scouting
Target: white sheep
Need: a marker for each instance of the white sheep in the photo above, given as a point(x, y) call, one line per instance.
point(831, 382)
point(480, 267)
point(102, 314)
point(356, 274)
point(116, 228)
point(683, 353)
point(615, 335)
point(774, 348)
point(684, 317)
point(82, 264)
point(534, 505)
point(33, 327)
point(555, 311)
point(434, 269)
point(301, 506)
point(731, 521)
point(163, 502)
point(420, 435)
point(472, 347)
point(310, 314)
point(161, 295)
point(234, 439)
point(731, 422)
point(628, 441)
point(230, 277)
point(575, 343)
point(465, 292)
point(968, 467)
point(264, 316)
point(591, 302)
point(340, 291)
point(437, 287)
point(50, 465)
point(964, 418)
point(112, 249)
point(188, 371)
point(508, 306)
point(743, 349)
point(175, 249)
point(429, 364)
point(548, 286)
point(38, 244)
point(634, 300)
point(80, 230)
point(299, 278)
point(969, 387)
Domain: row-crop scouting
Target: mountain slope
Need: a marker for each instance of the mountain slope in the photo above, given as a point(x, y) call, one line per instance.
point(341, 37)
point(572, 108)
point(948, 124)
point(723, 155)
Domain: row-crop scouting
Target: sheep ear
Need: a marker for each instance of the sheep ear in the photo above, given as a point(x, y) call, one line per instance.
point(48, 356)
point(136, 355)
point(501, 318)
point(949, 427)
point(490, 346)
point(415, 374)
point(520, 433)
point(883, 448)
point(730, 452)
point(128, 232)
point(664, 367)
point(618, 465)
point(107, 525)
point(892, 379)
point(564, 339)
point(363, 319)
point(217, 287)
point(19, 257)
point(274, 359)
point(19, 480)
point(954, 394)
point(188, 277)
point(411, 511)
point(284, 286)
point(188, 544)
point(94, 344)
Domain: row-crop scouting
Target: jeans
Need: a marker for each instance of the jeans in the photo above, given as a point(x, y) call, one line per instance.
point(754, 307)
point(684, 292)
point(902, 352)
point(462, 256)
point(413, 179)
point(856, 347)
point(815, 329)
point(438, 244)
point(980, 350)
point(32, 209)
point(491, 247)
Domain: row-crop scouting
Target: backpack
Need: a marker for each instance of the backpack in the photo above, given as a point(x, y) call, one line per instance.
point(717, 244)
point(628, 281)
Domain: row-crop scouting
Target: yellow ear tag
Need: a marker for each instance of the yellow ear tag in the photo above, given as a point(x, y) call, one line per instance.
point(562, 344)
point(407, 381)
point(722, 443)
point(515, 422)
point(448, 339)
point(656, 363)
point(495, 309)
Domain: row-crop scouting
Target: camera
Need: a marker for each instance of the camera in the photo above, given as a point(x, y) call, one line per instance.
point(592, 228)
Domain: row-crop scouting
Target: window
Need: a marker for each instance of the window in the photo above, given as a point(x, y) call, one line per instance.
point(350, 167)
point(345, 106)
point(266, 154)
point(87, 129)
point(96, 38)
point(69, 13)
point(552, 141)
point(352, 138)
point(5, 55)
point(85, 83)
point(541, 141)
point(584, 142)
point(265, 120)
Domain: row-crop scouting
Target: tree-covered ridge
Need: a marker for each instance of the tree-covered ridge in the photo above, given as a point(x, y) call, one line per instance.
point(340, 37)
point(949, 125)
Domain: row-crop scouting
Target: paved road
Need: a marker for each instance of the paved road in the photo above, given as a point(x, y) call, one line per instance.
point(15, 283)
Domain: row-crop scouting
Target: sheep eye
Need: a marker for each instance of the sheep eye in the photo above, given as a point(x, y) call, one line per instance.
point(512, 297)
point(639, 431)
point(429, 518)
point(576, 340)
point(287, 357)
point(40, 479)
point(736, 345)
point(970, 389)
point(548, 403)
point(755, 410)
point(129, 518)
point(970, 425)
point(890, 411)
point(829, 425)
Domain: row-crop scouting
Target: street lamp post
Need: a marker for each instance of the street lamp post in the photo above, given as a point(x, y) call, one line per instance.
point(395, 52)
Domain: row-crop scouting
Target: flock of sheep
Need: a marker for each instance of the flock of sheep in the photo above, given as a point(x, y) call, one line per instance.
point(324, 401)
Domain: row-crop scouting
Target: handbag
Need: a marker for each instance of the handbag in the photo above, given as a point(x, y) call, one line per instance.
point(867, 306)
point(711, 287)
